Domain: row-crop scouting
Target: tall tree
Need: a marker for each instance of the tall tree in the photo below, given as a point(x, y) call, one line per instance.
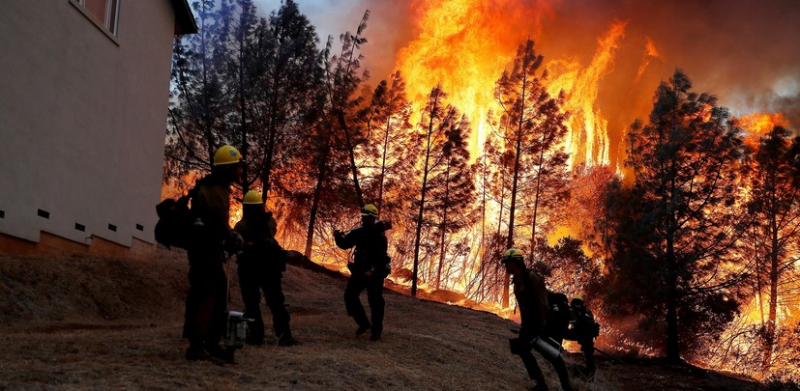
point(341, 84)
point(197, 106)
point(438, 118)
point(452, 189)
point(338, 107)
point(287, 73)
point(775, 208)
point(534, 126)
point(679, 225)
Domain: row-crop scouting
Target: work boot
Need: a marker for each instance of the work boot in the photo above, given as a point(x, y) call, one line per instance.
point(363, 329)
point(375, 337)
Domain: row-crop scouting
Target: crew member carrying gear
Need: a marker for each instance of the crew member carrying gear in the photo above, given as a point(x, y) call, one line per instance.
point(368, 270)
point(211, 235)
point(583, 329)
point(531, 293)
point(261, 266)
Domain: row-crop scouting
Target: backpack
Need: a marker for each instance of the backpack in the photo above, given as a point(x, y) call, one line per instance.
point(584, 324)
point(558, 314)
point(175, 221)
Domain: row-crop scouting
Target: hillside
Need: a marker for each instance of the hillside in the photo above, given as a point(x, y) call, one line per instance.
point(80, 323)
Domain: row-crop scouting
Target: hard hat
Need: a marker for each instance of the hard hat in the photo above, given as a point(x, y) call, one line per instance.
point(252, 198)
point(577, 297)
point(512, 254)
point(227, 154)
point(369, 210)
point(577, 301)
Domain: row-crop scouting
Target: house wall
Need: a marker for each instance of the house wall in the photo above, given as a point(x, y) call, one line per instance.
point(82, 119)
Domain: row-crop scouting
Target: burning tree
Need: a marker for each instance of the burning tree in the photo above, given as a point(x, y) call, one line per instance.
point(679, 222)
point(439, 121)
point(533, 124)
point(452, 189)
point(775, 234)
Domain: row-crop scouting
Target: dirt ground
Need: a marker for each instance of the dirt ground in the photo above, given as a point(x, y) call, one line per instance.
point(80, 323)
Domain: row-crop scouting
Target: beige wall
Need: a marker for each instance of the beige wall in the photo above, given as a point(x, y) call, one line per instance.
point(82, 119)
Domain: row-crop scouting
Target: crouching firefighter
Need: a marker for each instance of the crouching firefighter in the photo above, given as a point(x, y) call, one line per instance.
point(368, 270)
point(210, 237)
point(583, 329)
point(531, 293)
point(261, 265)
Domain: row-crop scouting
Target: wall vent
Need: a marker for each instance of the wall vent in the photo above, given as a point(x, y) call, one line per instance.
point(80, 227)
point(112, 227)
point(43, 213)
point(2, 214)
point(140, 227)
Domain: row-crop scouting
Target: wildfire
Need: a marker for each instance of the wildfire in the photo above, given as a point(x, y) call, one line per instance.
point(587, 140)
point(759, 124)
point(464, 45)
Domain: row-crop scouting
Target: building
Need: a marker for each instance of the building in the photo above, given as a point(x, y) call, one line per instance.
point(84, 89)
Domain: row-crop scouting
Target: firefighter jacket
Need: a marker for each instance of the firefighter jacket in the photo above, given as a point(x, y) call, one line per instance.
point(531, 296)
point(260, 247)
point(211, 210)
point(371, 247)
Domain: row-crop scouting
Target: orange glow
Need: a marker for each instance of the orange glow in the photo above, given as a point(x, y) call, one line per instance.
point(465, 45)
point(587, 139)
point(758, 124)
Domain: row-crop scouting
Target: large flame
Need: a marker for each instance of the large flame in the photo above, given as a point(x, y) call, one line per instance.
point(464, 45)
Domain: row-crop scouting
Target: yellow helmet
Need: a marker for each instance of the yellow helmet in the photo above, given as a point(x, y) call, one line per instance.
point(369, 210)
point(227, 154)
point(252, 198)
point(512, 254)
point(577, 298)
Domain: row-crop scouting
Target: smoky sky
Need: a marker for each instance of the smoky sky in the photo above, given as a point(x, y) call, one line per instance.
point(746, 52)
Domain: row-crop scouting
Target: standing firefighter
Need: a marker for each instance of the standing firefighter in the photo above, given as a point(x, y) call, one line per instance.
point(531, 293)
point(210, 235)
point(583, 329)
point(368, 270)
point(261, 266)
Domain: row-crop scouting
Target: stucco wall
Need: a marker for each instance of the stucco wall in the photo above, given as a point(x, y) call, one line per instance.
point(82, 119)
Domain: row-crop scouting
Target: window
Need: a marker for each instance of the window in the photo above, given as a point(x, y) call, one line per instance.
point(104, 12)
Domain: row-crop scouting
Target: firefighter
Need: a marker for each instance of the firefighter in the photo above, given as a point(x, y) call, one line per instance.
point(261, 265)
point(210, 235)
point(583, 329)
point(368, 270)
point(531, 294)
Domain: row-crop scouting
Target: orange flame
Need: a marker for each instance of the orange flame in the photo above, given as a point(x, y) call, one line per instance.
point(587, 139)
point(464, 45)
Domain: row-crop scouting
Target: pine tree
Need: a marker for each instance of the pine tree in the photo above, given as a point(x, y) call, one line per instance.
point(774, 204)
point(452, 189)
point(533, 123)
point(438, 118)
point(678, 224)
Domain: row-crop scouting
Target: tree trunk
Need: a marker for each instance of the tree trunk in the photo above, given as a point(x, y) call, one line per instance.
point(536, 198)
point(418, 233)
point(352, 155)
point(323, 167)
point(511, 209)
point(444, 226)
point(769, 335)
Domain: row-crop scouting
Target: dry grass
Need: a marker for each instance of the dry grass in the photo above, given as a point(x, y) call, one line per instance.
point(82, 323)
